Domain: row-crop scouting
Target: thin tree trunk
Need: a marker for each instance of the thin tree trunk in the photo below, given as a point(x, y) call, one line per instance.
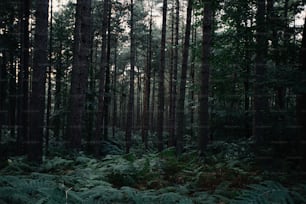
point(107, 96)
point(12, 97)
point(37, 102)
point(103, 67)
point(146, 94)
point(23, 78)
point(175, 70)
point(205, 72)
point(161, 88)
point(129, 117)
point(3, 94)
point(47, 136)
point(152, 112)
point(115, 91)
point(260, 98)
point(58, 98)
point(301, 104)
point(192, 80)
point(138, 102)
point(171, 114)
point(180, 128)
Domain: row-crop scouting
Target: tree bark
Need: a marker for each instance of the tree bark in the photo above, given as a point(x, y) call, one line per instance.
point(79, 77)
point(107, 96)
point(129, 117)
point(181, 99)
point(22, 117)
point(260, 98)
point(37, 101)
point(205, 72)
point(161, 91)
point(103, 67)
point(146, 94)
point(114, 123)
point(47, 136)
point(173, 72)
point(301, 103)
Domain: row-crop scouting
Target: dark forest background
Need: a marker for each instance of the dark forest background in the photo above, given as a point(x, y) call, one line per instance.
point(204, 94)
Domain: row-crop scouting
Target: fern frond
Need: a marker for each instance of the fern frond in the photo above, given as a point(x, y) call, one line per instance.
point(265, 193)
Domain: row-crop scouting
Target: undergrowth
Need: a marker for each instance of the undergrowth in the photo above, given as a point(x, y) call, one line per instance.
point(225, 175)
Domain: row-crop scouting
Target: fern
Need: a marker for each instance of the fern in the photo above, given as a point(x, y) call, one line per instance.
point(265, 193)
point(56, 164)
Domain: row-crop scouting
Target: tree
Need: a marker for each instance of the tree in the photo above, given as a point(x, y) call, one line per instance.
point(37, 100)
point(260, 98)
point(82, 34)
point(161, 91)
point(147, 90)
point(205, 71)
point(173, 76)
point(22, 132)
point(129, 117)
point(301, 102)
point(48, 111)
point(103, 67)
point(182, 93)
point(107, 96)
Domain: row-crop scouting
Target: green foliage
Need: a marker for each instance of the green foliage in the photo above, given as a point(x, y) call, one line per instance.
point(265, 192)
point(225, 175)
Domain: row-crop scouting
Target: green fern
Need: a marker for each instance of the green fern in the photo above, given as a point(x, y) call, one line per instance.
point(266, 192)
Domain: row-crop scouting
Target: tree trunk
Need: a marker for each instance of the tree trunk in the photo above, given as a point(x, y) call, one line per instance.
point(161, 91)
point(260, 99)
point(12, 97)
point(138, 101)
point(82, 35)
point(301, 103)
point(192, 80)
point(180, 128)
point(205, 72)
point(115, 91)
point(129, 117)
point(37, 101)
point(47, 136)
point(58, 95)
point(172, 138)
point(23, 76)
point(146, 94)
point(152, 112)
point(103, 67)
point(3, 94)
point(107, 96)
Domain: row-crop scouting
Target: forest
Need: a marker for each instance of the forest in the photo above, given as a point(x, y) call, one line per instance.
point(152, 101)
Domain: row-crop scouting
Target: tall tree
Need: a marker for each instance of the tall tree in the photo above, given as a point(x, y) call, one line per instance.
point(114, 122)
point(205, 72)
point(173, 72)
point(48, 111)
point(22, 116)
point(82, 39)
point(161, 72)
point(301, 102)
point(147, 90)
point(192, 77)
point(129, 117)
point(37, 100)
point(107, 96)
point(260, 98)
point(103, 67)
point(180, 129)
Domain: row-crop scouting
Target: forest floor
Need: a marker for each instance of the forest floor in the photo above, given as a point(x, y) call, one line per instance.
point(226, 174)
